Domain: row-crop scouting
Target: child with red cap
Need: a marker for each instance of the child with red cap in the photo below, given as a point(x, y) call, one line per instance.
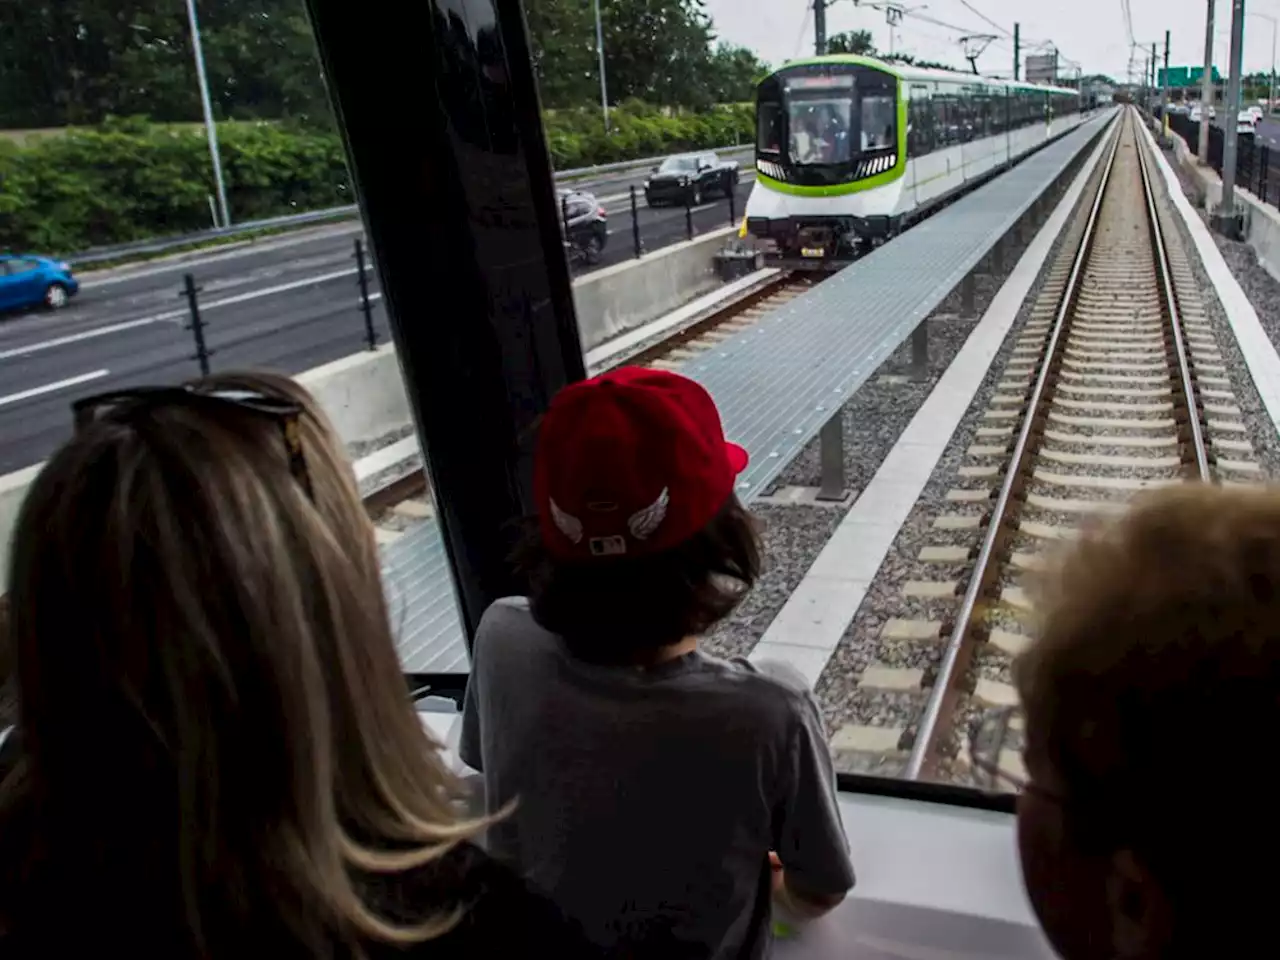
point(652, 782)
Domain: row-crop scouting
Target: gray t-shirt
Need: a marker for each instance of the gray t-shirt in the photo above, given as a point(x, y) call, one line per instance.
point(648, 799)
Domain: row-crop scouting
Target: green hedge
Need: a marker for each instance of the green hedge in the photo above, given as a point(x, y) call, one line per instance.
point(130, 180)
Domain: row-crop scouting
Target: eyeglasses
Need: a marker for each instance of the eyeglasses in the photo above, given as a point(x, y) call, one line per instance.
point(121, 405)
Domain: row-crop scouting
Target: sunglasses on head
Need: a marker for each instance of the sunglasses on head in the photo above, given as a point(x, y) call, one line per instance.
point(121, 405)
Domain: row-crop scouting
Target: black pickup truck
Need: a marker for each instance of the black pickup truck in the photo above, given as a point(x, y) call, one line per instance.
point(690, 178)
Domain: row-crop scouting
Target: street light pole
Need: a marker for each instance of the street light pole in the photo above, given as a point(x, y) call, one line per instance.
point(819, 27)
point(209, 126)
point(604, 92)
point(1226, 217)
point(1206, 87)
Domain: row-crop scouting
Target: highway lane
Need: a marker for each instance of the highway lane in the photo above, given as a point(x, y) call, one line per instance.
point(288, 303)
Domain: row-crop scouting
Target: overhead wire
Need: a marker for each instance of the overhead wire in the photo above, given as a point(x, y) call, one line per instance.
point(984, 17)
point(804, 26)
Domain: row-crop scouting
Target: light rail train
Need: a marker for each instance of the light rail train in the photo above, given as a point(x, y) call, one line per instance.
point(850, 150)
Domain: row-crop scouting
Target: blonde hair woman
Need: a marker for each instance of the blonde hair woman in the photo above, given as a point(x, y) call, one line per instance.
point(217, 756)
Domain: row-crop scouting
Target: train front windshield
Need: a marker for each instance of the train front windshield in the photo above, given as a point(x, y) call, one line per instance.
point(826, 120)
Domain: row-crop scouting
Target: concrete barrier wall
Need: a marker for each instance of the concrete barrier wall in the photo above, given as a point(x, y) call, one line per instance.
point(364, 394)
point(1261, 220)
point(628, 295)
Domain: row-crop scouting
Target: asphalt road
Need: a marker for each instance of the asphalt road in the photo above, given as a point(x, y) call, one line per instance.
point(287, 303)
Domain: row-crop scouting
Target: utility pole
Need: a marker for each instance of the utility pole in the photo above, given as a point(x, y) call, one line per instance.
point(1017, 51)
point(819, 27)
point(604, 92)
point(210, 127)
point(1153, 71)
point(1225, 220)
point(1164, 95)
point(1206, 86)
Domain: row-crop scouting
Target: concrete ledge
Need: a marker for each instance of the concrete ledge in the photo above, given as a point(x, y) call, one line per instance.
point(363, 394)
point(13, 490)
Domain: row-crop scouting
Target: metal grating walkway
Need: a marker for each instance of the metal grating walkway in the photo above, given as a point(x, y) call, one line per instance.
point(777, 383)
point(420, 601)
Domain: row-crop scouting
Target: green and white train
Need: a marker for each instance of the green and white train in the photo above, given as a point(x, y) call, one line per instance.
point(850, 150)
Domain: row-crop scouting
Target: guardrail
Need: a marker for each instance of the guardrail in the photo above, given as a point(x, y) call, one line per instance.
point(98, 255)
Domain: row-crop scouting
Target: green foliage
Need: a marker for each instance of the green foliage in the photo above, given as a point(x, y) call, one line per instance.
point(75, 62)
point(79, 61)
point(852, 41)
point(127, 179)
point(659, 51)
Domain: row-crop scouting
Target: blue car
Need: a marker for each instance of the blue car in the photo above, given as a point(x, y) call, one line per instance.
point(30, 281)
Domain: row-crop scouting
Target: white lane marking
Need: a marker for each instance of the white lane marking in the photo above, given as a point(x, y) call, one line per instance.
point(92, 279)
point(51, 387)
point(281, 288)
point(172, 316)
point(87, 335)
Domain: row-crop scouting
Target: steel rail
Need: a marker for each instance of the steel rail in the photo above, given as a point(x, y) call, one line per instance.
point(958, 649)
point(1198, 448)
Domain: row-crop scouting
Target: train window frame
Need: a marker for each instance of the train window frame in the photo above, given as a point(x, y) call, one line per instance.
point(777, 108)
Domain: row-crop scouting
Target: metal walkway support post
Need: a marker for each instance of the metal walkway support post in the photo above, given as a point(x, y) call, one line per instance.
point(371, 335)
point(997, 257)
point(968, 294)
point(688, 218)
point(920, 352)
point(831, 454)
point(196, 326)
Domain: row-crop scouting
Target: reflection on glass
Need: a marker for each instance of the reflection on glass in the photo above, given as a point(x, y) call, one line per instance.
point(820, 129)
point(679, 165)
point(995, 750)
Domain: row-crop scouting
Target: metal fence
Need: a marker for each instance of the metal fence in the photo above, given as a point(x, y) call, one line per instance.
point(1257, 165)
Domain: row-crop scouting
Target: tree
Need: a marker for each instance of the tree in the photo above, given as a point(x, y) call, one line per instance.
point(657, 51)
point(852, 41)
point(563, 50)
point(733, 74)
point(79, 61)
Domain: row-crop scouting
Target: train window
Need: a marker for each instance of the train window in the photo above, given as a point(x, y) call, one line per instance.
point(920, 121)
point(879, 120)
point(769, 128)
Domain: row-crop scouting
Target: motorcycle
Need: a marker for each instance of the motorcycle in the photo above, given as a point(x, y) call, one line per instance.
point(584, 225)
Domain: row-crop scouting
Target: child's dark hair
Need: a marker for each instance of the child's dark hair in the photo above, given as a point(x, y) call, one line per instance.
point(617, 611)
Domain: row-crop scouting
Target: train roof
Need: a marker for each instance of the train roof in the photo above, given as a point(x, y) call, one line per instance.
point(905, 72)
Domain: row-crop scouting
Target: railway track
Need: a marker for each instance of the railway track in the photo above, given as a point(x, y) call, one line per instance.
point(405, 501)
point(1114, 385)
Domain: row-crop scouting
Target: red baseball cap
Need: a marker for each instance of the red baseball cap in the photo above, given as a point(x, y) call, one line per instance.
point(631, 463)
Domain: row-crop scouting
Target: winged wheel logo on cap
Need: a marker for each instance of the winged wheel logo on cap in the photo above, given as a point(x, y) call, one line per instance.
point(566, 523)
point(643, 523)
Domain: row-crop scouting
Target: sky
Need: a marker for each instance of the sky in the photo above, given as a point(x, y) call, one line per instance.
point(1092, 33)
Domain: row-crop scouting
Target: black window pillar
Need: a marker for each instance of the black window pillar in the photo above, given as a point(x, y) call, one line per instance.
point(439, 111)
